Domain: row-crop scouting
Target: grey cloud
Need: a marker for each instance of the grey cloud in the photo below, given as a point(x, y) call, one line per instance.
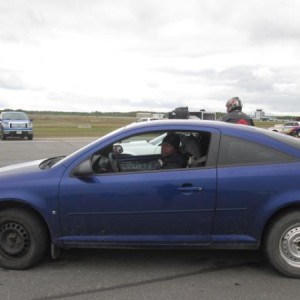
point(270, 30)
point(10, 80)
point(268, 21)
point(242, 77)
point(280, 91)
point(23, 23)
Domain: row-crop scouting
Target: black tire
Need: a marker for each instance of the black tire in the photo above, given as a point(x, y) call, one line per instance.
point(30, 137)
point(282, 244)
point(3, 137)
point(23, 239)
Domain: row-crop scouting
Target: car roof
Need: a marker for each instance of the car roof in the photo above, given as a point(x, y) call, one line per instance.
point(196, 122)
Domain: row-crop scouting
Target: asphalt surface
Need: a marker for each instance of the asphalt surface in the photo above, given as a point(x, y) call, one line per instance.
point(137, 274)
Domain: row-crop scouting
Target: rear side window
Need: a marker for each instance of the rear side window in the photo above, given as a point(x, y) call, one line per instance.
point(234, 151)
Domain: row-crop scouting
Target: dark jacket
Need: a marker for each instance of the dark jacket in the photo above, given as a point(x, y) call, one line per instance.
point(175, 161)
point(238, 117)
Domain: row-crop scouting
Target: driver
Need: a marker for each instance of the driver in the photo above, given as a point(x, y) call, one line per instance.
point(172, 158)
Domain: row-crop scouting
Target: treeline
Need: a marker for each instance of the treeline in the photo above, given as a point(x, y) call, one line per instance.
point(95, 113)
point(132, 114)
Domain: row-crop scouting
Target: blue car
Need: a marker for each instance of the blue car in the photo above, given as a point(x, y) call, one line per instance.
point(240, 189)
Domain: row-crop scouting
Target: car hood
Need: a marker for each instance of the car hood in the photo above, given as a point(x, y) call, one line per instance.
point(21, 168)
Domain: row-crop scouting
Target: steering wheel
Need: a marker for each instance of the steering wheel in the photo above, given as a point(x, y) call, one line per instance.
point(113, 161)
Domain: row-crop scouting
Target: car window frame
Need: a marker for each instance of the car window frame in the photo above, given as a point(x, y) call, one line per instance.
point(212, 151)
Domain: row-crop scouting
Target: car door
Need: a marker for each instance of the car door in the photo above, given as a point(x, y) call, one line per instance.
point(149, 207)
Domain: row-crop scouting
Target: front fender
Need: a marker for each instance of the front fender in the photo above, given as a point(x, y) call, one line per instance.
point(36, 189)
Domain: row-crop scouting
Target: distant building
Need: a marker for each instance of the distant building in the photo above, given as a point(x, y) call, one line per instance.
point(158, 115)
point(144, 115)
point(259, 114)
point(141, 115)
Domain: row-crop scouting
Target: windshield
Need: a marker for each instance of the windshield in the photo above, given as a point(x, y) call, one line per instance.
point(14, 116)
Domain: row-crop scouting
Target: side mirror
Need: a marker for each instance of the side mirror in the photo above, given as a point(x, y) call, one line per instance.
point(84, 169)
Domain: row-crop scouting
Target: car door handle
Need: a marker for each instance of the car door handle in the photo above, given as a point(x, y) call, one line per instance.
point(190, 189)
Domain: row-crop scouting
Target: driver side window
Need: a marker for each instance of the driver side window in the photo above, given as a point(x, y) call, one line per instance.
point(143, 152)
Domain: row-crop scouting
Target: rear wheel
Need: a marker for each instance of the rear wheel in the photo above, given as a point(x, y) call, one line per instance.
point(282, 244)
point(23, 239)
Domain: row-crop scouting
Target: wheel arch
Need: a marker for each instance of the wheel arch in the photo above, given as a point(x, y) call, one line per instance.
point(14, 204)
point(282, 211)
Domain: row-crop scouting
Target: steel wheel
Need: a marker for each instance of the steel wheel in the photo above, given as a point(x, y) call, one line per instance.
point(24, 239)
point(282, 243)
point(290, 246)
point(14, 240)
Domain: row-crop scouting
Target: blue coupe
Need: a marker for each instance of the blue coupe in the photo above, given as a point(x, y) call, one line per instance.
point(240, 189)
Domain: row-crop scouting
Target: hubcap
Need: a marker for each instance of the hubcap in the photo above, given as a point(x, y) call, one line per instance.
point(14, 240)
point(290, 246)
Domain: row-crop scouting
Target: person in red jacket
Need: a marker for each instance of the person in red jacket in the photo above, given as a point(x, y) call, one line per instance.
point(234, 113)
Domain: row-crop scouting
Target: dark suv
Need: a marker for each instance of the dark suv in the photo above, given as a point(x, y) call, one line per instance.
point(15, 124)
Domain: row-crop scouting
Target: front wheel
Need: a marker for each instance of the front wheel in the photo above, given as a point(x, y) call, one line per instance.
point(23, 239)
point(282, 244)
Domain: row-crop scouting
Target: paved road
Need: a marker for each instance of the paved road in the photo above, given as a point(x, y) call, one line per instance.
point(15, 151)
point(136, 274)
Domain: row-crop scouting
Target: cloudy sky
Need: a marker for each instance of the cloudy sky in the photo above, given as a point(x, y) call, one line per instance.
point(127, 55)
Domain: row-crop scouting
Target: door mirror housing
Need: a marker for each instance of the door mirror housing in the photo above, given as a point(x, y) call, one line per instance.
point(84, 169)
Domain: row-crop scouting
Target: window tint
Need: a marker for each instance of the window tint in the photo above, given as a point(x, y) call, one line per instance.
point(235, 151)
point(283, 138)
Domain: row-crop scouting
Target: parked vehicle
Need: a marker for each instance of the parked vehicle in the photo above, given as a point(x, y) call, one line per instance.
point(239, 190)
point(295, 131)
point(15, 124)
point(285, 128)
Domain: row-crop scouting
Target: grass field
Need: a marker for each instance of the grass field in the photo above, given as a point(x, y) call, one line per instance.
point(51, 125)
point(46, 125)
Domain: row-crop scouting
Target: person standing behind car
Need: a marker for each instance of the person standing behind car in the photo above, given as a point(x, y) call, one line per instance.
point(234, 113)
point(172, 158)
